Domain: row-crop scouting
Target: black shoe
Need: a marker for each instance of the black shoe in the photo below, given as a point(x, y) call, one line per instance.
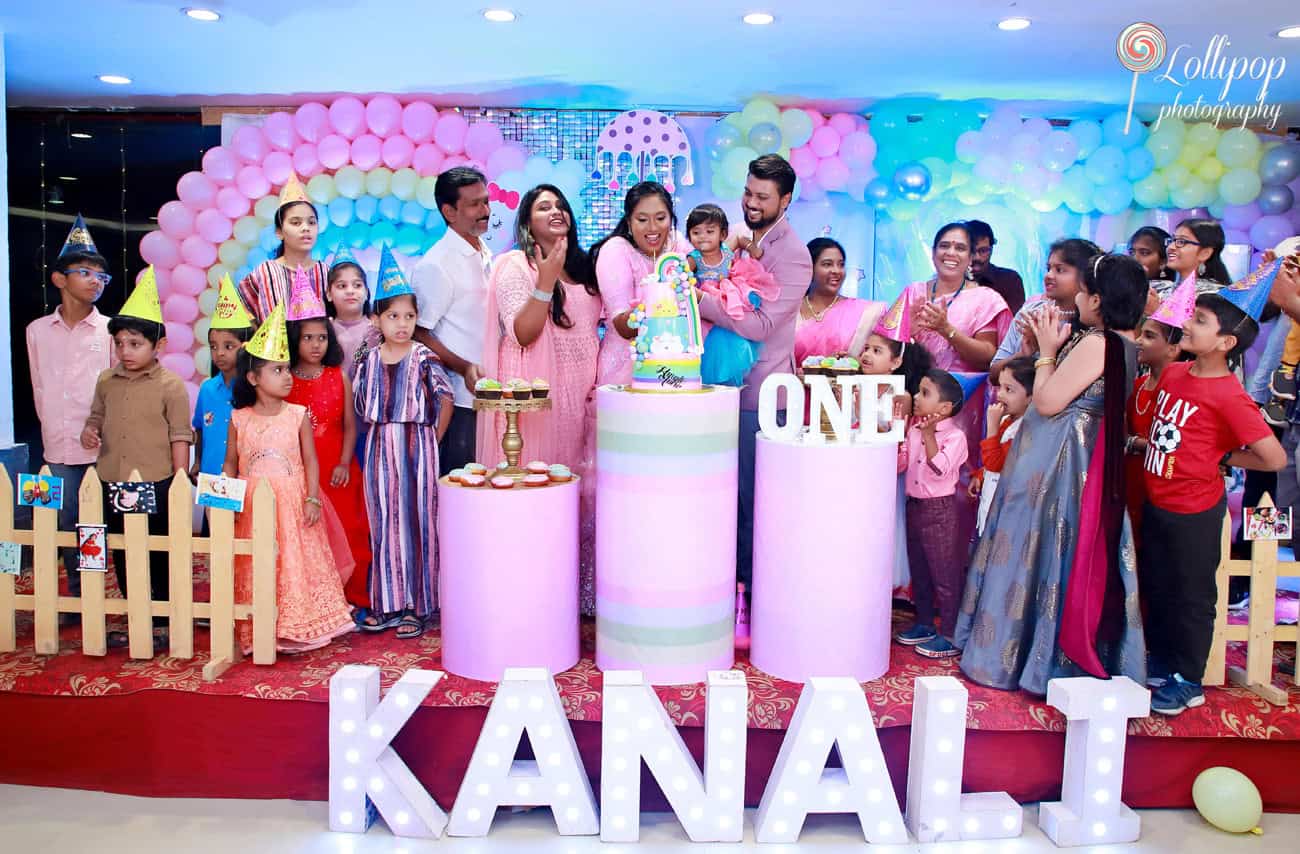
point(1275, 413)
point(1283, 384)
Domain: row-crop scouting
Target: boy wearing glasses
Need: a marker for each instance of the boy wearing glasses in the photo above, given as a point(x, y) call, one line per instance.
point(68, 349)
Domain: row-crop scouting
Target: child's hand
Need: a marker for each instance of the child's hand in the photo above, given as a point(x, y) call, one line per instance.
point(974, 488)
point(194, 473)
point(340, 475)
point(1051, 332)
point(312, 512)
point(90, 438)
point(993, 418)
point(928, 423)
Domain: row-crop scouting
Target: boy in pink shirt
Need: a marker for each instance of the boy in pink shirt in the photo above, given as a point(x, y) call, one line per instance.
point(68, 349)
point(932, 456)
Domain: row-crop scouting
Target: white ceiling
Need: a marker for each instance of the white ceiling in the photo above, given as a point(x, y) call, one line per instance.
point(676, 54)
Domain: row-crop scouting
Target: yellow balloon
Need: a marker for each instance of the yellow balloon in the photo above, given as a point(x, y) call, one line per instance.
point(203, 360)
point(1227, 799)
point(216, 271)
point(266, 207)
point(1210, 169)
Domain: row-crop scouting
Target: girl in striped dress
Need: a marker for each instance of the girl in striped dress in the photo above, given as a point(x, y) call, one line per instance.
point(403, 396)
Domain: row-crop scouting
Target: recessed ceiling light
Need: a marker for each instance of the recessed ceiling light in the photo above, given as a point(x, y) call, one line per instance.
point(115, 79)
point(1289, 33)
point(758, 19)
point(499, 16)
point(80, 135)
point(1013, 24)
point(205, 15)
point(67, 178)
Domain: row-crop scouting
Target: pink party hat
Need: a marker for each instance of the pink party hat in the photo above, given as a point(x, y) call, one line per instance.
point(896, 324)
point(1178, 307)
point(304, 302)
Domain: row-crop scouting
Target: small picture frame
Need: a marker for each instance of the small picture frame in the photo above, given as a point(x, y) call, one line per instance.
point(11, 558)
point(132, 497)
point(1268, 523)
point(40, 490)
point(92, 548)
point(221, 493)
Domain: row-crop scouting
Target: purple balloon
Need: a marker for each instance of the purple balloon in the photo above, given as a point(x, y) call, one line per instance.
point(1269, 231)
point(1240, 216)
point(1275, 199)
point(1280, 165)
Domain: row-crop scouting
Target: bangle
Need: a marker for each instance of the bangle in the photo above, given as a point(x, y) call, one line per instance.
point(543, 296)
point(1046, 360)
point(311, 499)
point(952, 333)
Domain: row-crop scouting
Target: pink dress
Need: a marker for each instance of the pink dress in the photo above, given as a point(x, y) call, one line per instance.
point(843, 329)
point(620, 267)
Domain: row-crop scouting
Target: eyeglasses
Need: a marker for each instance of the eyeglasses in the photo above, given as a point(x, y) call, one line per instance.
point(102, 278)
point(1180, 242)
point(982, 252)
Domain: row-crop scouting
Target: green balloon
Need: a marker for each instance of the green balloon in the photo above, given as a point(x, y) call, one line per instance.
point(1238, 148)
point(1240, 186)
point(735, 164)
point(1151, 191)
point(1227, 799)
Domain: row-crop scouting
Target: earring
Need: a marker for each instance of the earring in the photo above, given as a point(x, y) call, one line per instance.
point(1200, 269)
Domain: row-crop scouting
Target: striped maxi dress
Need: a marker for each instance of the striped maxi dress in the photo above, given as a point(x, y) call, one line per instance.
point(270, 283)
point(400, 404)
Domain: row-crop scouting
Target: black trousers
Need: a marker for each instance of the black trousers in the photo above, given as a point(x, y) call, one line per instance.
point(1176, 570)
point(457, 446)
point(159, 570)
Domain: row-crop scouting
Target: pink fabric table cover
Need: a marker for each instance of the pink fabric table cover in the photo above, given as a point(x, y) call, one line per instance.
point(666, 479)
point(823, 559)
point(508, 581)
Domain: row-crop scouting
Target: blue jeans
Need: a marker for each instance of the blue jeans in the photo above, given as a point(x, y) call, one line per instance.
point(745, 508)
point(68, 517)
point(1269, 359)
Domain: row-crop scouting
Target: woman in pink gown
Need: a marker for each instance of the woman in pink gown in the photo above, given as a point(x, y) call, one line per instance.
point(551, 339)
point(828, 322)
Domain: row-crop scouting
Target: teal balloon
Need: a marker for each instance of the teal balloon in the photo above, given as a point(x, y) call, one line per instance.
point(722, 189)
point(796, 127)
point(1112, 132)
point(366, 209)
point(1139, 163)
point(413, 213)
point(722, 138)
point(1114, 197)
point(390, 208)
point(735, 165)
point(435, 226)
point(878, 193)
point(409, 239)
point(1106, 165)
point(765, 138)
point(1088, 135)
point(340, 211)
point(356, 235)
point(381, 233)
point(1227, 799)
point(330, 241)
point(1165, 145)
point(1151, 191)
point(1240, 186)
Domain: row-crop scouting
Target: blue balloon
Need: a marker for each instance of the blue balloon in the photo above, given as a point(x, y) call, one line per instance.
point(912, 180)
point(1273, 199)
point(356, 235)
point(381, 233)
point(1106, 165)
point(1140, 163)
point(1114, 197)
point(268, 240)
point(721, 138)
point(413, 213)
point(409, 239)
point(1087, 134)
point(329, 242)
point(390, 208)
point(878, 193)
point(366, 209)
point(340, 211)
point(257, 255)
point(1112, 131)
point(1280, 165)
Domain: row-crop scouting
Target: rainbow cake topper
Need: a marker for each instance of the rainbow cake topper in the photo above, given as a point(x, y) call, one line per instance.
point(1141, 48)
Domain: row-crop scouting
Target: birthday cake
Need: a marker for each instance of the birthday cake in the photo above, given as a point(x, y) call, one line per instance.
point(668, 346)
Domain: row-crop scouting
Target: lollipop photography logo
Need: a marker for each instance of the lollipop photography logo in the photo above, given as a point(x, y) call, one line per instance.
point(1142, 48)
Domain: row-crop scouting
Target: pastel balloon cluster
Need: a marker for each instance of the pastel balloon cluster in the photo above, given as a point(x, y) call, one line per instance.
point(915, 139)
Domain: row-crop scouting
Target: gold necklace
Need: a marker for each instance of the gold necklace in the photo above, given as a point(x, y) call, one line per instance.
point(816, 316)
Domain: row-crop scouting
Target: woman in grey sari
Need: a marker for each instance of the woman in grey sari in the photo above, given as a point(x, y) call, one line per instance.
point(1046, 530)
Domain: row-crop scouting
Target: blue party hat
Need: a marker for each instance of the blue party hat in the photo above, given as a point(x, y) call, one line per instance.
point(78, 239)
point(392, 281)
point(343, 255)
point(970, 383)
point(1251, 293)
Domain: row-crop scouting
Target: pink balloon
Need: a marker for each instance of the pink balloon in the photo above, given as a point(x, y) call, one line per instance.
point(180, 364)
point(451, 161)
point(803, 161)
point(306, 161)
point(348, 116)
point(843, 124)
point(252, 182)
point(249, 144)
point(397, 152)
point(832, 174)
point(180, 339)
point(418, 121)
point(383, 115)
point(189, 280)
point(311, 121)
point(507, 158)
point(162, 277)
point(817, 118)
point(475, 164)
point(427, 159)
point(276, 167)
point(333, 151)
point(366, 151)
point(857, 149)
point(860, 122)
point(231, 202)
point(825, 141)
point(279, 131)
point(482, 139)
point(196, 190)
point(220, 165)
point(450, 133)
point(198, 252)
point(212, 226)
point(160, 250)
point(176, 220)
point(181, 308)
point(192, 389)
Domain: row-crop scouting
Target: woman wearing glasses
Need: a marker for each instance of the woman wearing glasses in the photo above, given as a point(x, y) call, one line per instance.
point(1195, 250)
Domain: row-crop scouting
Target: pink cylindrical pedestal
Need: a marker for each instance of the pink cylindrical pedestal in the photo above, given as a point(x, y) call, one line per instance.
point(666, 532)
point(823, 559)
point(508, 578)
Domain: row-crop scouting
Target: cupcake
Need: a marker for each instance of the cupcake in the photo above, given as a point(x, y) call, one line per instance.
point(828, 365)
point(812, 365)
point(503, 465)
point(536, 480)
point(503, 482)
point(846, 365)
point(455, 475)
point(560, 474)
point(475, 468)
point(507, 391)
point(541, 389)
point(487, 389)
point(521, 389)
point(538, 467)
point(473, 480)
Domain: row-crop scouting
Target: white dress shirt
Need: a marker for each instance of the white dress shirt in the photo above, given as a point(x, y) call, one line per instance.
point(451, 287)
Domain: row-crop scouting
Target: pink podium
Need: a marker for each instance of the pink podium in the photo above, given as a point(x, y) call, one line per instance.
point(666, 532)
point(508, 579)
point(823, 559)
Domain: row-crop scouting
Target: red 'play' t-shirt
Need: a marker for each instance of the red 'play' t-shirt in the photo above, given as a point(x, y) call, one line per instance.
point(1197, 420)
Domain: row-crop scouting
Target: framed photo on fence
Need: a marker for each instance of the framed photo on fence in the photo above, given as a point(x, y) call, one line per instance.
point(222, 493)
point(1268, 523)
point(92, 548)
point(40, 490)
point(11, 558)
point(130, 497)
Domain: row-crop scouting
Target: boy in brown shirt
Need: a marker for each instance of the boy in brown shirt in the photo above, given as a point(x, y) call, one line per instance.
point(140, 419)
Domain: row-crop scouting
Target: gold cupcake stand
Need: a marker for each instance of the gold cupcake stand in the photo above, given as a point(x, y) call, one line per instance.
point(827, 430)
point(512, 443)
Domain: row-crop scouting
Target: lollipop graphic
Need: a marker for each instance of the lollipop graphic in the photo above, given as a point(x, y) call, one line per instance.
point(1141, 48)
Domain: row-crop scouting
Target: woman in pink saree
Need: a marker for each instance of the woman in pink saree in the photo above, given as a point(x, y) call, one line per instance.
point(830, 323)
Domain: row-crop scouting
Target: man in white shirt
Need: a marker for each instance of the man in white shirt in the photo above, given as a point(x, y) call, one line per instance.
point(451, 286)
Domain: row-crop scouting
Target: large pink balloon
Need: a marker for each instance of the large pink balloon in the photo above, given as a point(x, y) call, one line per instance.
point(366, 151)
point(180, 339)
point(418, 121)
point(276, 167)
point(198, 252)
point(192, 389)
point(348, 116)
point(220, 165)
point(333, 151)
point(803, 161)
point(507, 158)
point(279, 131)
point(482, 138)
point(162, 277)
point(832, 174)
point(857, 149)
point(306, 160)
point(427, 159)
point(231, 202)
point(843, 124)
point(212, 226)
point(398, 151)
point(451, 161)
point(817, 118)
point(180, 364)
point(450, 133)
point(252, 182)
point(196, 190)
point(312, 121)
point(160, 250)
point(249, 144)
point(825, 141)
point(188, 279)
point(180, 308)
point(383, 115)
point(176, 220)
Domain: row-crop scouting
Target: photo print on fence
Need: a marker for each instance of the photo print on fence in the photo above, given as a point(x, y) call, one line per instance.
point(92, 548)
point(11, 558)
point(132, 496)
point(40, 490)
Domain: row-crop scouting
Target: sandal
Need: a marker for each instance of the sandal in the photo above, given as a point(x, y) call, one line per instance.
point(379, 622)
point(409, 627)
point(360, 615)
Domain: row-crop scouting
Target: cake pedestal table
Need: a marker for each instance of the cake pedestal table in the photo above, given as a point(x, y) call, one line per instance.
point(666, 477)
point(508, 580)
point(823, 559)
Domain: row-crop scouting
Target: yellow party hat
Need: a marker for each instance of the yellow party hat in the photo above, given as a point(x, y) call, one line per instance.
point(271, 340)
point(293, 192)
point(229, 313)
point(143, 301)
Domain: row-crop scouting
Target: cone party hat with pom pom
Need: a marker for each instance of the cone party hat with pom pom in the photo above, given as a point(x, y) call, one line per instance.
point(143, 301)
point(304, 302)
point(1177, 308)
point(271, 340)
point(293, 192)
point(229, 312)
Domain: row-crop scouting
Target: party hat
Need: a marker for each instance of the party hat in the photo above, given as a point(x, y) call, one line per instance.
point(1177, 308)
point(304, 301)
point(229, 313)
point(271, 340)
point(970, 383)
point(896, 324)
point(343, 255)
point(1251, 293)
point(143, 301)
point(392, 282)
point(293, 192)
point(78, 239)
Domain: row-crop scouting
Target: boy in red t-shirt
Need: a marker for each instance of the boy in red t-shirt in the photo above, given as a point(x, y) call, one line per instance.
point(1203, 419)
